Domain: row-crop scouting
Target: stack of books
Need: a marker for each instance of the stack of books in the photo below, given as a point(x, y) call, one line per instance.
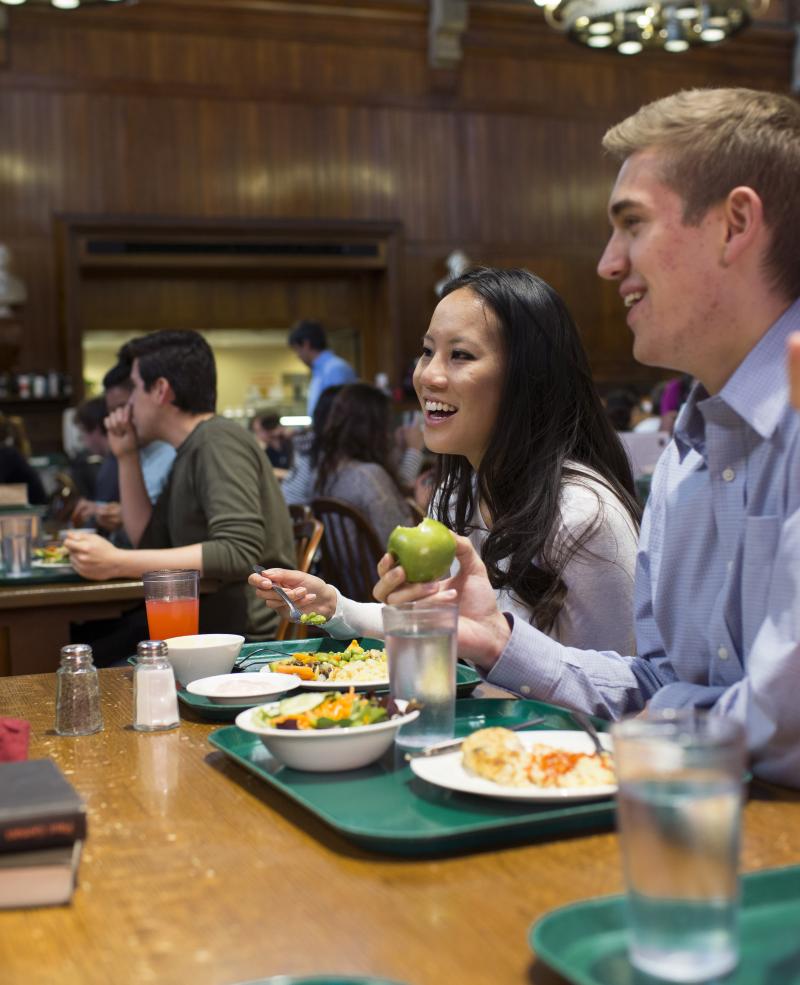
point(42, 828)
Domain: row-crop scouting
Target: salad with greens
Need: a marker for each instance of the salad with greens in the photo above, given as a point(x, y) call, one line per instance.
point(353, 664)
point(326, 710)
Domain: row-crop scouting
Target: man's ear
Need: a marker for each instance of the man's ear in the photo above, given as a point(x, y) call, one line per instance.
point(163, 392)
point(744, 220)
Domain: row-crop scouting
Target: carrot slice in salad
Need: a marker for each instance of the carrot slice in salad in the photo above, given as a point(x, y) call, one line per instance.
point(304, 673)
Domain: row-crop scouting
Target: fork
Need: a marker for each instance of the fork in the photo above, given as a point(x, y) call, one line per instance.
point(294, 613)
point(586, 724)
point(255, 658)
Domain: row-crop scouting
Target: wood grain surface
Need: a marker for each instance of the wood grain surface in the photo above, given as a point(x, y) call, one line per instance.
point(196, 872)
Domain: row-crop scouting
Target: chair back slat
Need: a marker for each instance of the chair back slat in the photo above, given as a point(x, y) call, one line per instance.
point(307, 536)
point(350, 548)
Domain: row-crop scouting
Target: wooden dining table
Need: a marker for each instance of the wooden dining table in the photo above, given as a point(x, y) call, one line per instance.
point(35, 618)
point(196, 871)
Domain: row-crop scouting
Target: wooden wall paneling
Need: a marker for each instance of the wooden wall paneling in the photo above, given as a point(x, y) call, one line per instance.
point(263, 111)
point(142, 291)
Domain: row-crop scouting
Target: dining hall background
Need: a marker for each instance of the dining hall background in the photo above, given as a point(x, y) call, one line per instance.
point(233, 166)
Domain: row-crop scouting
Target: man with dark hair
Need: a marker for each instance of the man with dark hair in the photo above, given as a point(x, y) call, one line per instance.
point(156, 457)
point(310, 345)
point(221, 510)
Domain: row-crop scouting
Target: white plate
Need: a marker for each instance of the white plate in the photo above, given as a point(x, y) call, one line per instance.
point(335, 685)
point(57, 566)
point(447, 771)
point(239, 689)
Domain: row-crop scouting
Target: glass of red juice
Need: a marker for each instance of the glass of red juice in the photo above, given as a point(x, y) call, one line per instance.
point(173, 607)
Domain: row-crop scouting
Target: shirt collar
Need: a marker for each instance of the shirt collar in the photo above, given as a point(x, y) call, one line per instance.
point(321, 359)
point(756, 392)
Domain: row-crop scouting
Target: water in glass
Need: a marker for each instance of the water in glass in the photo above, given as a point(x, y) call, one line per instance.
point(17, 554)
point(423, 667)
point(680, 847)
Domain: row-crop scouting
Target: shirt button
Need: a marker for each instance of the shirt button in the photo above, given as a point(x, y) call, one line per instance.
point(525, 689)
point(722, 653)
point(728, 475)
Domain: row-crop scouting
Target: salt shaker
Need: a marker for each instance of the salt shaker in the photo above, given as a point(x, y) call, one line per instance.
point(155, 702)
point(77, 692)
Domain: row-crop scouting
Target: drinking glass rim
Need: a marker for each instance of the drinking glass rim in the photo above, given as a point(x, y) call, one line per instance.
point(686, 726)
point(422, 605)
point(162, 574)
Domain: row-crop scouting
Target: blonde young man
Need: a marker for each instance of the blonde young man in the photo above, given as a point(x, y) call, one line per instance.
point(704, 217)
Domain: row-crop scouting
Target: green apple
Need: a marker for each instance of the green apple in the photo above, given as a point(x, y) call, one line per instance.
point(425, 551)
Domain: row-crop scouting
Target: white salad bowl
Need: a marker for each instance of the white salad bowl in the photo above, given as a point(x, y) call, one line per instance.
point(203, 655)
point(327, 750)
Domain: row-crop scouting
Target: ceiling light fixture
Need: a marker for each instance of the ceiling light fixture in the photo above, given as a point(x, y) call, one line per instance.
point(65, 4)
point(631, 26)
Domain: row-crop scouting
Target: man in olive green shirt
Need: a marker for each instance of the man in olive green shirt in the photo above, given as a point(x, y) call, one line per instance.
point(221, 510)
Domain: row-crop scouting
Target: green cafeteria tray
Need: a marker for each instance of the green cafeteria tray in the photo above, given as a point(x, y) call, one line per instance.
point(257, 654)
point(387, 809)
point(587, 944)
point(40, 576)
point(213, 711)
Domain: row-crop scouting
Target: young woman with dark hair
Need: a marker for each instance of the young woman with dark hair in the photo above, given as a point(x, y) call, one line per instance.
point(529, 468)
point(355, 458)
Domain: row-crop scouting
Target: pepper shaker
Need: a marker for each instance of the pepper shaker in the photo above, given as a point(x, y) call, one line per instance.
point(155, 701)
point(77, 692)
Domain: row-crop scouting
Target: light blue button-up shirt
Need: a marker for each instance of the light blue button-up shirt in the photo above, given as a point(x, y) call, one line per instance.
point(717, 600)
point(156, 461)
point(328, 369)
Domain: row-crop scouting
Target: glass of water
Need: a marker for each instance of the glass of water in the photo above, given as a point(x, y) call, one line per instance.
point(16, 534)
point(421, 650)
point(679, 811)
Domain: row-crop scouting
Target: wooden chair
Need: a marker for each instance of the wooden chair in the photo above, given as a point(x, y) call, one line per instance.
point(350, 548)
point(13, 494)
point(63, 499)
point(307, 535)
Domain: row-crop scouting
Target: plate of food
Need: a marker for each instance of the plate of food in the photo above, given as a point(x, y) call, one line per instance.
point(354, 666)
point(539, 765)
point(52, 556)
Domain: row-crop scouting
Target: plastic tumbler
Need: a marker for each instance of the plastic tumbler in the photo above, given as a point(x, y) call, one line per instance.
point(679, 812)
point(17, 534)
point(421, 650)
point(173, 608)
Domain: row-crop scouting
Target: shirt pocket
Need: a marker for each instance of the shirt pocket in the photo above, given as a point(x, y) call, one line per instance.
point(761, 535)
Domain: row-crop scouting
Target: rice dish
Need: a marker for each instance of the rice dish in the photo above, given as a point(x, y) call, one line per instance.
point(497, 754)
point(371, 667)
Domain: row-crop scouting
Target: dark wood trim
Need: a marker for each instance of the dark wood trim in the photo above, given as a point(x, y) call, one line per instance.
point(378, 278)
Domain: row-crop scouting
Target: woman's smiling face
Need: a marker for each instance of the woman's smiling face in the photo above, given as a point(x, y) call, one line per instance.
point(459, 377)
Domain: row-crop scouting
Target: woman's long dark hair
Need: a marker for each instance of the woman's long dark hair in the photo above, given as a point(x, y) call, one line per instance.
point(550, 418)
point(319, 419)
point(358, 429)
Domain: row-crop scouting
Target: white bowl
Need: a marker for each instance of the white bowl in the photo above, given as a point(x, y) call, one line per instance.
point(203, 655)
point(326, 750)
point(241, 689)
